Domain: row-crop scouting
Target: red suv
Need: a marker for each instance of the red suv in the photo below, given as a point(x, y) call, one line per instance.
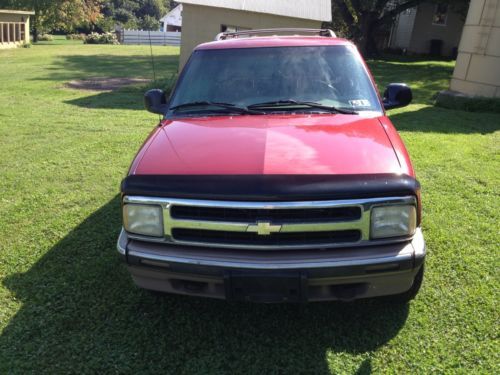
point(275, 175)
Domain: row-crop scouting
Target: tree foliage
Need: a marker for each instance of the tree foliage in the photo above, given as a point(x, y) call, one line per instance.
point(64, 15)
point(91, 15)
point(132, 14)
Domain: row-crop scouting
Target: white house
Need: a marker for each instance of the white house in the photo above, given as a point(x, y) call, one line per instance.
point(172, 21)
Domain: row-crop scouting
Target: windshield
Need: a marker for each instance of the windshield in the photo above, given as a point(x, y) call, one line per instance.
point(328, 75)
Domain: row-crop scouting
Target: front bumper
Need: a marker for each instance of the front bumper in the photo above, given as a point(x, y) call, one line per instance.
point(325, 274)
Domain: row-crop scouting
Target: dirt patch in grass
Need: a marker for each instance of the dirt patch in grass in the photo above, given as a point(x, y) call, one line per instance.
point(103, 84)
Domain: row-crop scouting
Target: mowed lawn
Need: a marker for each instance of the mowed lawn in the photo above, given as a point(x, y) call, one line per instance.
point(67, 303)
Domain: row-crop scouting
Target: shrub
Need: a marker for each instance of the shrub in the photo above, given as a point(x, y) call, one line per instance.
point(26, 45)
point(458, 101)
point(45, 38)
point(75, 36)
point(106, 38)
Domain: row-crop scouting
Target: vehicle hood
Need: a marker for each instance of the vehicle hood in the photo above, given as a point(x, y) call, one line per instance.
point(269, 144)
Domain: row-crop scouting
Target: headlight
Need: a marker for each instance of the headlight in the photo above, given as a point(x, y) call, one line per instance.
point(393, 221)
point(143, 219)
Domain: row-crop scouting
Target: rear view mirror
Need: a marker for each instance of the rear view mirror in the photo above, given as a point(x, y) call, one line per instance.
point(155, 101)
point(397, 95)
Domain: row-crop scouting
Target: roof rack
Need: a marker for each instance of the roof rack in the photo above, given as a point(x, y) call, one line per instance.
point(248, 33)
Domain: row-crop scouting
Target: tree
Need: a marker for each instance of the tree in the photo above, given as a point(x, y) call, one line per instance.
point(150, 23)
point(92, 12)
point(145, 14)
point(125, 18)
point(65, 16)
point(361, 19)
point(90, 15)
point(152, 8)
point(57, 14)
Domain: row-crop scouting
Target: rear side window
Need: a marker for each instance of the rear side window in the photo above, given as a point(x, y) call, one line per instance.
point(330, 75)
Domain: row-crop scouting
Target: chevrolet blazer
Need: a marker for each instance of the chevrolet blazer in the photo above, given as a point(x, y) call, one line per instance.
point(274, 176)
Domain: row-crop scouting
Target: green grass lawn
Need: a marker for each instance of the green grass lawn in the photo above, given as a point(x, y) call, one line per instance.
point(67, 303)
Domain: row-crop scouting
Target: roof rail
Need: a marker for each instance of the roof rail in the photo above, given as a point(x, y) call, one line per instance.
point(298, 31)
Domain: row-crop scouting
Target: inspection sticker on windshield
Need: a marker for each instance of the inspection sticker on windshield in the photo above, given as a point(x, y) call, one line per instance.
point(359, 103)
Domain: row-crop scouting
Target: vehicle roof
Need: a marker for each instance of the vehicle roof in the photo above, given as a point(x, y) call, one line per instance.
point(274, 41)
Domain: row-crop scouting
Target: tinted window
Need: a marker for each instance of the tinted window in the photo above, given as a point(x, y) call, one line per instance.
point(330, 75)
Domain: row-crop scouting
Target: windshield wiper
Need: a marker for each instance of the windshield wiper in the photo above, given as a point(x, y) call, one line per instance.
point(228, 106)
point(293, 103)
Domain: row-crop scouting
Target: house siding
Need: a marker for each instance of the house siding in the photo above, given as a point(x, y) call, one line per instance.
point(424, 31)
point(404, 27)
point(318, 10)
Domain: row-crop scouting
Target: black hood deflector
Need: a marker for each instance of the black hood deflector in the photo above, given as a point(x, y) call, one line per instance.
point(270, 187)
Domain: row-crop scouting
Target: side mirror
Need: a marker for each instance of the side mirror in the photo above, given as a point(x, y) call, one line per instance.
point(397, 95)
point(155, 101)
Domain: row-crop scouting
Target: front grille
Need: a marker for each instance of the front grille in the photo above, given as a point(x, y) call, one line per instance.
point(245, 215)
point(274, 225)
point(267, 225)
point(273, 239)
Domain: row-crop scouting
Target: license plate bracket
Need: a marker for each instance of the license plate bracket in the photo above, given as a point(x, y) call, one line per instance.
point(266, 287)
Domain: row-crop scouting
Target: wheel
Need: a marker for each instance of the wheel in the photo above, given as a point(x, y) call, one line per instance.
point(410, 293)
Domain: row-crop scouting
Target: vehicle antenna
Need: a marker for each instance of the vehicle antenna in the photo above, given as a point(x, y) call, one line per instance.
point(152, 57)
point(153, 64)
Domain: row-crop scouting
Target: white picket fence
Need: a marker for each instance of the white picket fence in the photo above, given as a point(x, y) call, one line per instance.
point(158, 38)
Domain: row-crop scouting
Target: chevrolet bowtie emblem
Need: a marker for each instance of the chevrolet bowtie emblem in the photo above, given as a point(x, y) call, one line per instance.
point(263, 228)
